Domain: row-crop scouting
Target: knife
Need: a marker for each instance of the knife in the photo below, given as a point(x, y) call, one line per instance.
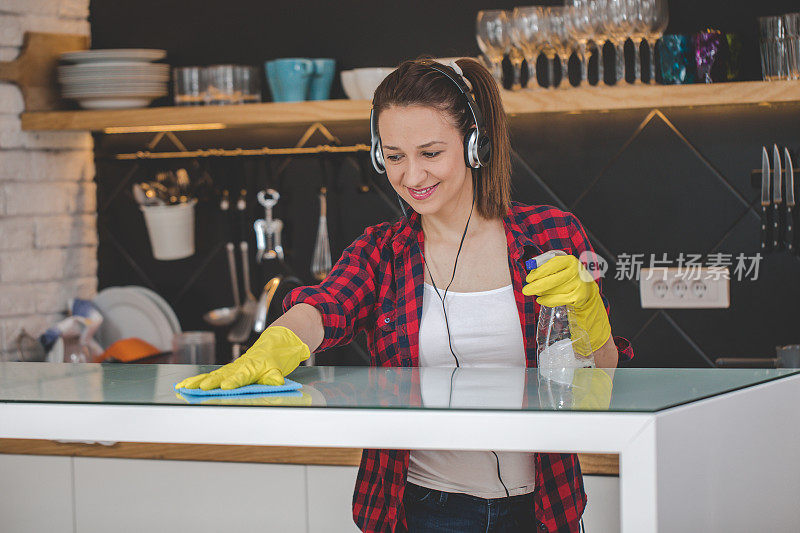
point(789, 237)
point(777, 200)
point(764, 199)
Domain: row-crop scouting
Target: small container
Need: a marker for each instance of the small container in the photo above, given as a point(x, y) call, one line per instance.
point(190, 85)
point(171, 229)
point(223, 85)
point(788, 356)
point(194, 348)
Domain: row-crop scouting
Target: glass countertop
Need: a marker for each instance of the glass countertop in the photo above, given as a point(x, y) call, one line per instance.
point(483, 388)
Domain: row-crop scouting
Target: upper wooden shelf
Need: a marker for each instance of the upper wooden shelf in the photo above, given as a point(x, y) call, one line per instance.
point(517, 103)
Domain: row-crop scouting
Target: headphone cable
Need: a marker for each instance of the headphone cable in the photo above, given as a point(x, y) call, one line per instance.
point(435, 288)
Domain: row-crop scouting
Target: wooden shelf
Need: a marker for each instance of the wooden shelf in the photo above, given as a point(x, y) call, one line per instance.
point(517, 103)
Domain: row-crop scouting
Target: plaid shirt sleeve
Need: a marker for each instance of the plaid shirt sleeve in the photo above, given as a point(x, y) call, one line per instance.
point(345, 299)
point(581, 246)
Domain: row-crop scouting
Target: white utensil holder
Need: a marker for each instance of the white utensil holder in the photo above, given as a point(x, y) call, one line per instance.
point(171, 229)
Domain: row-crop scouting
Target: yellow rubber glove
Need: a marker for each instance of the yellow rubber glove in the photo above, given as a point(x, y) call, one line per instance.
point(276, 353)
point(591, 389)
point(563, 280)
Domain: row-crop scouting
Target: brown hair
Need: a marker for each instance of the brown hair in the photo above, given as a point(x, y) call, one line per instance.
point(415, 83)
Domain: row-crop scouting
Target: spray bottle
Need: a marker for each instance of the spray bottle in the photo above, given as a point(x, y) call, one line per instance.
point(561, 346)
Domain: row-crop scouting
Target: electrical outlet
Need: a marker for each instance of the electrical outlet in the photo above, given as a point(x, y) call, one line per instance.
point(673, 288)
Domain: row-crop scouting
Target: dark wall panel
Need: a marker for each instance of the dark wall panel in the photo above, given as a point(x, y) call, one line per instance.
point(643, 181)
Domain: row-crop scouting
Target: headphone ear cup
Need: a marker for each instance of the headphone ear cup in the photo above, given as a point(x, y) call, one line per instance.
point(470, 145)
point(376, 154)
point(483, 150)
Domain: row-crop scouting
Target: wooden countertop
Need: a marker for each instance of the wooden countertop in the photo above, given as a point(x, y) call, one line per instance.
point(591, 464)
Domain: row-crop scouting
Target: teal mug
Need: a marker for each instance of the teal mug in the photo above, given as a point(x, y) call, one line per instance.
point(321, 79)
point(289, 78)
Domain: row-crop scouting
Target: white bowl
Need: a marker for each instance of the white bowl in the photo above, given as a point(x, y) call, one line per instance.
point(350, 86)
point(368, 80)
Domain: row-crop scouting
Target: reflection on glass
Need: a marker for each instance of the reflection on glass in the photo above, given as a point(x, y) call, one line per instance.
point(468, 388)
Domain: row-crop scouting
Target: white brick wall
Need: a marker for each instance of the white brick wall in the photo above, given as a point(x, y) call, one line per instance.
point(48, 231)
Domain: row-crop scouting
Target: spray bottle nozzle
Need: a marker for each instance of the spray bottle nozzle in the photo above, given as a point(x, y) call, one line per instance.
point(541, 259)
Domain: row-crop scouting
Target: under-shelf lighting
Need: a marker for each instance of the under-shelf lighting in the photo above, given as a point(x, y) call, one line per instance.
point(164, 127)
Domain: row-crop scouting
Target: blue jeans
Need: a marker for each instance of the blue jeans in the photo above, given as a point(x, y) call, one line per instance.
point(429, 510)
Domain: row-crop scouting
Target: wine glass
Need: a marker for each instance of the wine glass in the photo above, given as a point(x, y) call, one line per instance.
point(617, 23)
point(561, 38)
point(516, 57)
point(582, 28)
point(640, 24)
point(527, 34)
point(600, 36)
point(493, 38)
point(659, 18)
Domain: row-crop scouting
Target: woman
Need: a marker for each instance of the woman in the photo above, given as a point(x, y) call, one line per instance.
point(406, 285)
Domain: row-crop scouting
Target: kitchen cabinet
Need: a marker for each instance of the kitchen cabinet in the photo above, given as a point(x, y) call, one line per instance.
point(690, 440)
point(134, 495)
point(35, 494)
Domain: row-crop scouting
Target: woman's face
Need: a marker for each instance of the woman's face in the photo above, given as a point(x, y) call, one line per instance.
point(424, 156)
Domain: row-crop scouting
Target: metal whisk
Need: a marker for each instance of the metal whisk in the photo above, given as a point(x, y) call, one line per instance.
point(321, 260)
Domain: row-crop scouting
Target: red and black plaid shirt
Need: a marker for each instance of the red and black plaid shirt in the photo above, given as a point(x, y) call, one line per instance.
point(377, 286)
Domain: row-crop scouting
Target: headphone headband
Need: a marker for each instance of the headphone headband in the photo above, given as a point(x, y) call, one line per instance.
point(477, 116)
point(477, 145)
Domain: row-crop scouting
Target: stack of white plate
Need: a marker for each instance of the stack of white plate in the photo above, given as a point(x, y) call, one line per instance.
point(113, 79)
point(135, 312)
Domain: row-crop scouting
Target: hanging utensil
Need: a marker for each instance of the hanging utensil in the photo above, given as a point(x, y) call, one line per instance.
point(225, 316)
point(777, 200)
point(321, 260)
point(139, 195)
point(268, 230)
point(765, 200)
point(241, 330)
point(365, 186)
point(183, 181)
point(789, 235)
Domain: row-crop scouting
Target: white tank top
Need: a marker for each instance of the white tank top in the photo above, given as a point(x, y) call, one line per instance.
point(485, 332)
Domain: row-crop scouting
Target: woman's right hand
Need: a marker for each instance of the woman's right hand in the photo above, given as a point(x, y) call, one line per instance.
point(276, 353)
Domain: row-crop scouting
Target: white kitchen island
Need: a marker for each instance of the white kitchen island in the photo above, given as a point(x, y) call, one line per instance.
point(700, 449)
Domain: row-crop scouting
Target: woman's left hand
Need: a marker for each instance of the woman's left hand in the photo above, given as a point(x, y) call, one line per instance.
point(563, 280)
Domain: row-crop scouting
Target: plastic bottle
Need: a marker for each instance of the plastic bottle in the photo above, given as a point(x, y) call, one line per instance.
point(561, 347)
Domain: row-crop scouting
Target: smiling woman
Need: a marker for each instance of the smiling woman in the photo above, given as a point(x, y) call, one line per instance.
point(440, 134)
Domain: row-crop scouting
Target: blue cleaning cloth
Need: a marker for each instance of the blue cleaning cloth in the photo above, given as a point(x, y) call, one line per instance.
point(212, 400)
point(289, 385)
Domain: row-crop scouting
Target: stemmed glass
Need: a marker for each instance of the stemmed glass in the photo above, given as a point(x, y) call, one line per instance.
point(561, 38)
point(548, 45)
point(582, 28)
point(516, 57)
point(597, 10)
point(527, 34)
point(640, 11)
point(657, 23)
point(492, 33)
point(618, 26)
